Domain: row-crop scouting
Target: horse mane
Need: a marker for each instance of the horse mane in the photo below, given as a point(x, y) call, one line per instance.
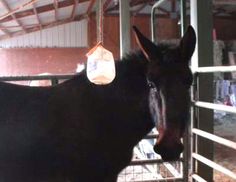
point(133, 63)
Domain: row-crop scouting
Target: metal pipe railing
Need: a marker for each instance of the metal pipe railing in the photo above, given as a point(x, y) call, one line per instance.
point(149, 161)
point(212, 106)
point(215, 138)
point(36, 77)
point(183, 16)
point(153, 19)
point(198, 178)
point(213, 69)
point(163, 180)
point(214, 165)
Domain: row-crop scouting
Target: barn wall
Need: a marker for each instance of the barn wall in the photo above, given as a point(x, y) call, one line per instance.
point(225, 29)
point(168, 30)
point(17, 62)
point(63, 60)
point(68, 35)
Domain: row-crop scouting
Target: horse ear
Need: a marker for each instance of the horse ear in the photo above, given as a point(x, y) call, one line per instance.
point(187, 44)
point(148, 48)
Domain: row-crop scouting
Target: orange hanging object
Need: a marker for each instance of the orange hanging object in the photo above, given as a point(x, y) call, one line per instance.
point(100, 65)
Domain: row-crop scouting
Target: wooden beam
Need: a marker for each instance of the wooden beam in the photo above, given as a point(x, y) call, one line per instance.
point(73, 12)
point(5, 31)
point(37, 16)
point(131, 4)
point(7, 7)
point(90, 7)
point(41, 9)
point(55, 4)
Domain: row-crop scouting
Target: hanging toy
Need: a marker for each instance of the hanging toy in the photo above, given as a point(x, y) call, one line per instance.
point(100, 65)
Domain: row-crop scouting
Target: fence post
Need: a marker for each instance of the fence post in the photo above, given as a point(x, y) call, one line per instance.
point(201, 19)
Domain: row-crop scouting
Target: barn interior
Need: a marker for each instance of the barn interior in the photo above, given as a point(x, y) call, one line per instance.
point(49, 39)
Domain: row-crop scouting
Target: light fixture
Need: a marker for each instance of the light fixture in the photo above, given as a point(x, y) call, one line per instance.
point(100, 63)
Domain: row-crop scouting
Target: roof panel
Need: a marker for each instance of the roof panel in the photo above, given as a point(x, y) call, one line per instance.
point(13, 4)
point(47, 17)
point(43, 2)
point(29, 20)
point(82, 8)
point(64, 13)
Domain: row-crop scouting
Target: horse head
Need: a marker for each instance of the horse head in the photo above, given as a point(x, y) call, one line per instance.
point(168, 70)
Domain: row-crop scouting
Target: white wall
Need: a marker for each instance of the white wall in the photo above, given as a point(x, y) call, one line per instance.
point(68, 35)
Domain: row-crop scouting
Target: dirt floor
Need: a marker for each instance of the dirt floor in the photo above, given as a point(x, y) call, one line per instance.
point(225, 126)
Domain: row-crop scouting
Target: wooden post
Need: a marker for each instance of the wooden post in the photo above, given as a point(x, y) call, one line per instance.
point(201, 19)
point(124, 27)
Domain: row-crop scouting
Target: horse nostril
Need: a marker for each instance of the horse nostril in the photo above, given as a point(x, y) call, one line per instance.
point(156, 149)
point(169, 153)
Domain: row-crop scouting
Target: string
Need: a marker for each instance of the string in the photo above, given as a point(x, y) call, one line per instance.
point(101, 22)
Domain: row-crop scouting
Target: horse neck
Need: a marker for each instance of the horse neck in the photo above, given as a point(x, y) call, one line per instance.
point(132, 65)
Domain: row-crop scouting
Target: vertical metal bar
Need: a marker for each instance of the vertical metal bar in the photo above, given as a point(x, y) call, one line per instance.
point(183, 16)
point(124, 27)
point(54, 81)
point(186, 139)
point(201, 19)
point(153, 19)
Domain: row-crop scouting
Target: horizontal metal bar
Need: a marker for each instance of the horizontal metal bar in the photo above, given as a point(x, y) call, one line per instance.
point(213, 69)
point(36, 77)
point(198, 178)
point(164, 180)
point(214, 165)
point(214, 138)
point(151, 136)
point(212, 106)
point(149, 161)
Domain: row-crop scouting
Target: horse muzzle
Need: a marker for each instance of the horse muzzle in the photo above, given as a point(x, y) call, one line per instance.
point(169, 152)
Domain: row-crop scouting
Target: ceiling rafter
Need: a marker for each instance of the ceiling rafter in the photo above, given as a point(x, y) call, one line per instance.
point(163, 10)
point(90, 7)
point(41, 9)
point(37, 17)
point(135, 12)
point(55, 4)
point(45, 26)
point(5, 31)
point(106, 4)
point(73, 12)
point(138, 2)
point(132, 4)
point(7, 7)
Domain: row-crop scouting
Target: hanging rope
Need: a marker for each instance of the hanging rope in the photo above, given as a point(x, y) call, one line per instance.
point(101, 21)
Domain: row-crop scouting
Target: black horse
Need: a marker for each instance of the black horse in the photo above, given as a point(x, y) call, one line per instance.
point(81, 132)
